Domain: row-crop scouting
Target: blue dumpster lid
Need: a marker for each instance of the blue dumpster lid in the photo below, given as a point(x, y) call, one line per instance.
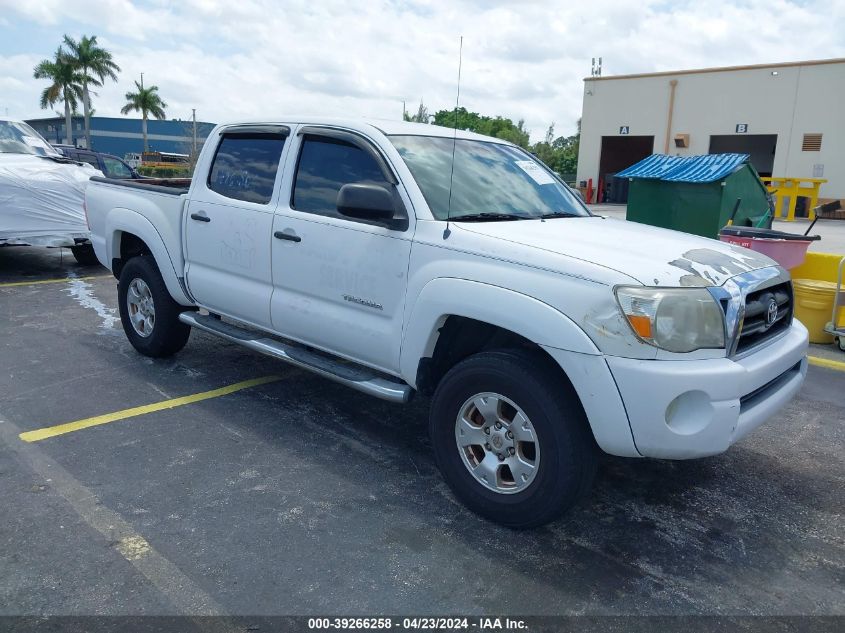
point(706, 168)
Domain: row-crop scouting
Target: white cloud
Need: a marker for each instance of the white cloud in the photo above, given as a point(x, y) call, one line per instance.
point(247, 58)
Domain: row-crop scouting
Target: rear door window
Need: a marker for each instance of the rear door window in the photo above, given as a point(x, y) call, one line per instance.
point(245, 166)
point(325, 165)
point(91, 159)
point(115, 168)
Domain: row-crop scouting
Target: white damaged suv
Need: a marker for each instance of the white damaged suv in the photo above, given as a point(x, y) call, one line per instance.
point(398, 258)
point(41, 193)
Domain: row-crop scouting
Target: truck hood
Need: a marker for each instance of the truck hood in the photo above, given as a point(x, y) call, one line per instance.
point(651, 255)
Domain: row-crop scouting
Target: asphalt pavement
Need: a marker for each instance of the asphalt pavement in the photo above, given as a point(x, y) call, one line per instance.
point(289, 494)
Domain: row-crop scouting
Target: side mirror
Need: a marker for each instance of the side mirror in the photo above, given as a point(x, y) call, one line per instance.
point(365, 202)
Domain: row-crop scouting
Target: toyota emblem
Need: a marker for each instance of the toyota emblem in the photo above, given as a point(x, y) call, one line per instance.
point(771, 313)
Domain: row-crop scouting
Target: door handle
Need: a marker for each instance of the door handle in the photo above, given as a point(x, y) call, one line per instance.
point(200, 218)
point(279, 235)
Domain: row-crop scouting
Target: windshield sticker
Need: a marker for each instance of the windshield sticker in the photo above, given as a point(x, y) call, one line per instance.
point(537, 173)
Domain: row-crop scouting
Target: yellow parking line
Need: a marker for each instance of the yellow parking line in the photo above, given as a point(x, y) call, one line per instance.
point(825, 362)
point(50, 281)
point(69, 427)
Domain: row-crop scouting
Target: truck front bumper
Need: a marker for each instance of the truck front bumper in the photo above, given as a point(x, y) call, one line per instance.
point(687, 409)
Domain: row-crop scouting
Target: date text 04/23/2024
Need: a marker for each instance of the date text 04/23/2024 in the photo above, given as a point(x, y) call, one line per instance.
point(420, 623)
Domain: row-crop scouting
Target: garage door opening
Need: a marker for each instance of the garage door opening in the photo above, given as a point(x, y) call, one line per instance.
point(761, 148)
point(617, 153)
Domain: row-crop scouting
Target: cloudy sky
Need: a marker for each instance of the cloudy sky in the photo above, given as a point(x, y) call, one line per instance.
point(233, 59)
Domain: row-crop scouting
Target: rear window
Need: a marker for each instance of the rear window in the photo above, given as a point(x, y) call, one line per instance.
point(245, 166)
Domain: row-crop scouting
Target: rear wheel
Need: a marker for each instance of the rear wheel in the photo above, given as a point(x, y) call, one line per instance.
point(511, 438)
point(85, 255)
point(149, 315)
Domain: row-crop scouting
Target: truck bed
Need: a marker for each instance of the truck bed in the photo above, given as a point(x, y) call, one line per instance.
point(171, 186)
point(151, 209)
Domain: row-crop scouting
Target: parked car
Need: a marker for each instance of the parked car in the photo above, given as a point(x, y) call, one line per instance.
point(397, 258)
point(110, 165)
point(41, 193)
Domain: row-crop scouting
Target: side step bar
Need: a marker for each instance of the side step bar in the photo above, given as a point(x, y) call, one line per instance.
point(346, 373)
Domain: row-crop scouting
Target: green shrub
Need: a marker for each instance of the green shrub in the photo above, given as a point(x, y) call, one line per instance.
point(164, 172)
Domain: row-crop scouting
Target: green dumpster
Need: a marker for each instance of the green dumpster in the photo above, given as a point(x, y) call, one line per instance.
point(696, 194)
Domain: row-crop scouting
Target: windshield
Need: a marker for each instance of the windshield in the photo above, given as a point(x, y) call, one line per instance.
point(490, 180)
point(19, 138)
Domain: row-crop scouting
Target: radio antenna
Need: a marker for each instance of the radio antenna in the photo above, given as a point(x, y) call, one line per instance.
point(448, 232)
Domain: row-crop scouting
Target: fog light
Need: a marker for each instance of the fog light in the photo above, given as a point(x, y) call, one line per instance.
point(689, 413)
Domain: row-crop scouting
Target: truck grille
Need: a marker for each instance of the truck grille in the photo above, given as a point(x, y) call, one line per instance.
point(756, 326)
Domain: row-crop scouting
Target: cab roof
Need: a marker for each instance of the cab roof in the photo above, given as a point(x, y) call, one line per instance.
point(385, 126)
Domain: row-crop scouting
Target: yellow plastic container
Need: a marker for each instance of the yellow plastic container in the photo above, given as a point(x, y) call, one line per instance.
point(818, 266)
point(814, 305)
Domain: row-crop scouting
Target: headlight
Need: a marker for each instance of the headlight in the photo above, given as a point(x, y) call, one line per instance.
point(674, 319)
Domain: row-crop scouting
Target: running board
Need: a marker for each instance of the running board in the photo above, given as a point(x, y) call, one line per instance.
point(346, 373)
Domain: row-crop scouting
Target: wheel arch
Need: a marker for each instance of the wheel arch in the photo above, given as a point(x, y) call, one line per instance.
point(452, 306)
point(458, 338)
point(456, 316)
point(132, 234)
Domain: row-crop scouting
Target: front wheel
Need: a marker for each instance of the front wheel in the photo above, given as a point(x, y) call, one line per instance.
point(149, 315)
point(511, 438)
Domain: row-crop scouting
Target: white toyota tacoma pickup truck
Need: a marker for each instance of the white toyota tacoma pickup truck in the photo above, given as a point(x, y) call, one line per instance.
point(397, 258)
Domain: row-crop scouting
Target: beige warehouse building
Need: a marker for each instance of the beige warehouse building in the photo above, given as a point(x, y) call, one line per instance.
point(789, 117)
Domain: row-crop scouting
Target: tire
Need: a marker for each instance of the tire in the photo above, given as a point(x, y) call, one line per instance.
point(165, 333)
point(564, 452)
point(840, 342)
point(85, 255)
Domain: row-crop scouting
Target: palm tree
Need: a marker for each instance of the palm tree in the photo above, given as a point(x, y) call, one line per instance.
point(94, 64)
point(146, 101)
point(66, 86)
point(422, 115)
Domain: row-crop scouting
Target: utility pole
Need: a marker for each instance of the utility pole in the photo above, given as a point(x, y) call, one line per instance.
point(143, 123)
point(194, 117)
